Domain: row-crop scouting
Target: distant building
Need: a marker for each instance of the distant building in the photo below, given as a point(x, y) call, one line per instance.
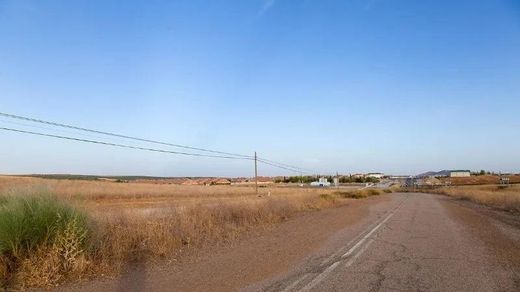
point(377, 175)
point(460, 173)
point(322, 182)
point(504, 180)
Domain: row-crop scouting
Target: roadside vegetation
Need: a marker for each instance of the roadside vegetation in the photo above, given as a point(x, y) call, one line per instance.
point(362, 193)
point(496, 196)
point(63, 231)
point(41, 239)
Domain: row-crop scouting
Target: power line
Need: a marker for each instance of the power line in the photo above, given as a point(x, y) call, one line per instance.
point(54, 129)
point(122, 145)
point(227, 155)
point(279, 164)
point(120, 136)
point(142, 148)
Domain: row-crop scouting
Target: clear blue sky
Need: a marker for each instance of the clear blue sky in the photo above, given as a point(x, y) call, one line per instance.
point(348, 86)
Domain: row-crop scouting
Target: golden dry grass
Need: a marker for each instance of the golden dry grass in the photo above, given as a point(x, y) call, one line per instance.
point(479, 180)
point(505, 198)
point(150, 222)
point(104, 194)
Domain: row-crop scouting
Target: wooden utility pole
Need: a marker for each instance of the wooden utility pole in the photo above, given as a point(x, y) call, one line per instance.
point(256, 175)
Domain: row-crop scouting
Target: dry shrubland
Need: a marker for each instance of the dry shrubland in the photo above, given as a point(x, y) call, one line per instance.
point(124, 222)
point(501, 197)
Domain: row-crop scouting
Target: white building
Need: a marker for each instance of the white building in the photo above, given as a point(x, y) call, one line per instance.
point(460, 173)
point(377, 175)
point(322, 182)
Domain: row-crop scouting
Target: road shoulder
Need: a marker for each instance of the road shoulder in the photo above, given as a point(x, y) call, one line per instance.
point(257, 256)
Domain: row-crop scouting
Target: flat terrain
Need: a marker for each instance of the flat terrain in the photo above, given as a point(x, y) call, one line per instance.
point(107, 196)
point(479, 179)
point(391, 242)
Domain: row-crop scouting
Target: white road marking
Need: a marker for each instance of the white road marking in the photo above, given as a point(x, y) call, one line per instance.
point(361, 251)
point(350, 252)
point(288, 288)
point(341, 250)
point(352, 249)
point(320, 277)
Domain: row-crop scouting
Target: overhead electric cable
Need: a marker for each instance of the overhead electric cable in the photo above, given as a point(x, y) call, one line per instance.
point(227, 155)
point(282, 167)
point(299, 169)
point(122, 145)
point(120, 136)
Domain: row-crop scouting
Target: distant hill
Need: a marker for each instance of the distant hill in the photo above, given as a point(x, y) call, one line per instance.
point(434, 173)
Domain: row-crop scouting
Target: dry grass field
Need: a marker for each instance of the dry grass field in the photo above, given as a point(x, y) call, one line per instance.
point(113, 195)
point(504, 198)
point(117, 223)
point(479, 180)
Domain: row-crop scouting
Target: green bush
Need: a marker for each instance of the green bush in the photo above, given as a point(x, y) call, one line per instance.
point(359, 194)
point(28, 222)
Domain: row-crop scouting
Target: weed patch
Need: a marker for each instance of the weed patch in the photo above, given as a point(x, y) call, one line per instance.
point(359, 194)
point(34, 226)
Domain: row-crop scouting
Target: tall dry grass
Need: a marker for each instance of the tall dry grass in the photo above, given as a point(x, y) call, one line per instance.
point(170, 232)
point(505, 198)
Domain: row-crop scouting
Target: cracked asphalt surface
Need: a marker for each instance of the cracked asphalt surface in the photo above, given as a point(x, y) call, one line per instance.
point(431, 243)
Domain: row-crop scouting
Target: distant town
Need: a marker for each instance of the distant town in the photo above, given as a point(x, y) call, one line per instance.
point(431, 178)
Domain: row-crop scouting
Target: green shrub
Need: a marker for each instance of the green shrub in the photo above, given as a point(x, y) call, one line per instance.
point(28, 222)
point(359, 194)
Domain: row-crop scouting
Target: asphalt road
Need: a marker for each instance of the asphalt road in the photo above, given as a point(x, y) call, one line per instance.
point(404, 242)
point(421, 243)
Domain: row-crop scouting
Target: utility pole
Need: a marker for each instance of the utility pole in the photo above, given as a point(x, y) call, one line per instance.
point(256, 176)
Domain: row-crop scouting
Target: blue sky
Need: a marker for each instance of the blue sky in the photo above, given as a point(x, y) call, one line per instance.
point(350, 86)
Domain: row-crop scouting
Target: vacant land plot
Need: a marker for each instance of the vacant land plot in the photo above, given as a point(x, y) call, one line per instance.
point(117, 223)
point(501, 197)
point(479, 179)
